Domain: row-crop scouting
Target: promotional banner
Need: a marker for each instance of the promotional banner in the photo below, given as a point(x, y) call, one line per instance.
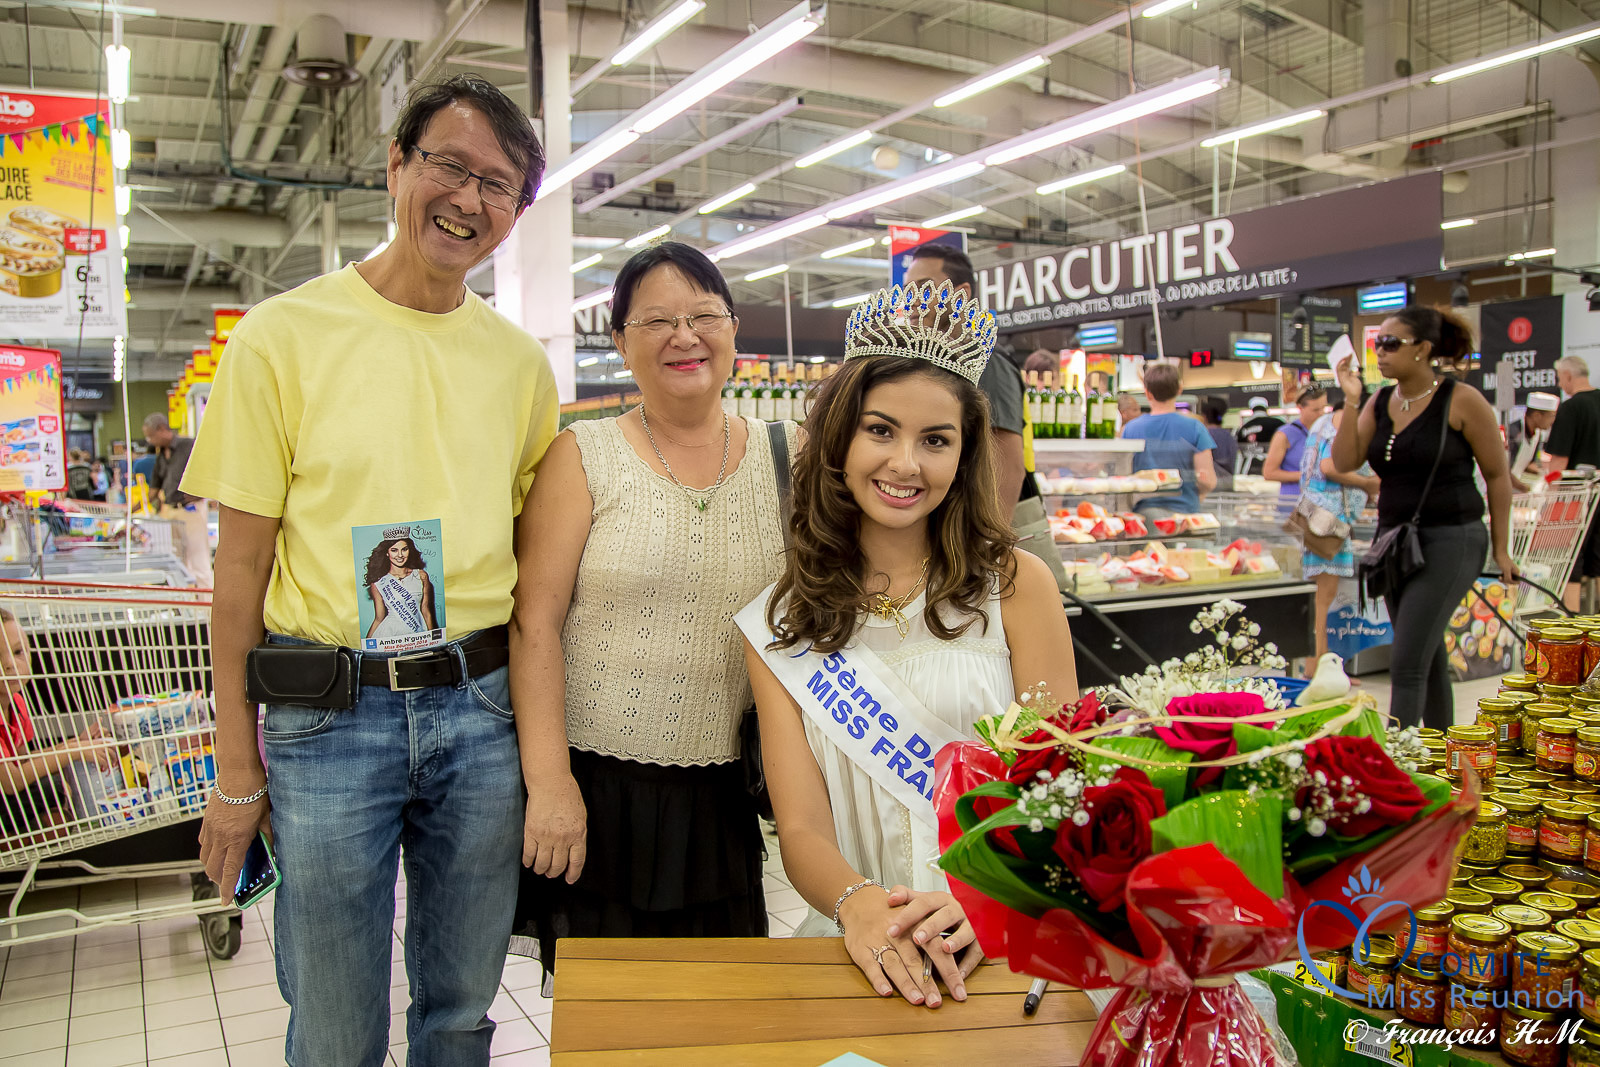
point(1307, 337)
point(87, 392)
point(60, 253)
point(902, 239)
point(1342, 238)
point(32, 438)
point(1526, 332)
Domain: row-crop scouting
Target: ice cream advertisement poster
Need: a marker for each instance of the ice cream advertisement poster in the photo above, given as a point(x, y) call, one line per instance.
point(32, 438)
point(60, 249)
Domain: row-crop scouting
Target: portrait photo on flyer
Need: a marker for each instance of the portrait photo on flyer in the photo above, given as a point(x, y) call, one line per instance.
point(399, 570)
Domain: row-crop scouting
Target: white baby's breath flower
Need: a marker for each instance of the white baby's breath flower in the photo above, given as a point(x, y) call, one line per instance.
point(1080, 818)
point(1316, 827)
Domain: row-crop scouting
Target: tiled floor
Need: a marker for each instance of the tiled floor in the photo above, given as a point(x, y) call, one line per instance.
point(150, 994)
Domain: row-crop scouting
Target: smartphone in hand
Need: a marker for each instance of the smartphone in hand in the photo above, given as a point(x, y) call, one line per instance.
point(259, 875)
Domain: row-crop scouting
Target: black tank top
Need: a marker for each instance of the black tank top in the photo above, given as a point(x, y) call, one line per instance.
point(1404, 463)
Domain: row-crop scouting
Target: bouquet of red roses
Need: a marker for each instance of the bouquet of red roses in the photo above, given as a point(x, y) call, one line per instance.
point(1164, 849)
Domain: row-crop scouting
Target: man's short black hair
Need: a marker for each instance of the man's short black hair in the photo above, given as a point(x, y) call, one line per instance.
point(701, 272)
point(957, 267)
point(511, 127)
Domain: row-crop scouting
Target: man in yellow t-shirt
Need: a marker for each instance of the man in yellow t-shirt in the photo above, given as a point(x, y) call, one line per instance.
point(371, 437)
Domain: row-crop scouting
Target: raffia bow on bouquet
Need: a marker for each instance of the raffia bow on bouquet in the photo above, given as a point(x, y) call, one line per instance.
point(1162, 850)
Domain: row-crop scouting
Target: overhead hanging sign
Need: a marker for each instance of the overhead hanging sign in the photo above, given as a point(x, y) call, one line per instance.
point(1341, 238)
point(1529, 334)
point(1309, 335)
point(32, 438)
point(60, 252)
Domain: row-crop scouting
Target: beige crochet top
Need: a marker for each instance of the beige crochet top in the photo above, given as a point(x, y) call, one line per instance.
point(655, 665)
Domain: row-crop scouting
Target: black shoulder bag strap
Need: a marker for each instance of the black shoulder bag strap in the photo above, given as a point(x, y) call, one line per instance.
point(755, 776)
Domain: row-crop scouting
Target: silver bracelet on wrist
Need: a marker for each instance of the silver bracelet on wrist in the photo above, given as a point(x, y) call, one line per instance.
point(846, 896)
point(226, 799)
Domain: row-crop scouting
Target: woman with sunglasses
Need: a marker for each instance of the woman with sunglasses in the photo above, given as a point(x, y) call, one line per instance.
point(1399, 434)
point(648, 532)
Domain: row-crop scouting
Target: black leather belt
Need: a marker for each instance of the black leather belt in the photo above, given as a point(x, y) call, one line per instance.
point(485, 651)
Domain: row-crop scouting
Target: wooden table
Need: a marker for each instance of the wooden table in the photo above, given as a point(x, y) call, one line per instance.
point(800, 1001)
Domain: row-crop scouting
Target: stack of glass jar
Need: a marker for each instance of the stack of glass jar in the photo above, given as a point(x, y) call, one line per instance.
point(1528, 882)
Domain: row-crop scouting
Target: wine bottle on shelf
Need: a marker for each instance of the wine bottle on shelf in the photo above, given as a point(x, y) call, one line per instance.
point(783, 396)
point(1031, 397)
point(747, 395)
point(1047, 406)
point(797, 394)
point(730, 395)
point(1091, 411)
point(764, 399)
point(1108, 415)
point(1063, 410)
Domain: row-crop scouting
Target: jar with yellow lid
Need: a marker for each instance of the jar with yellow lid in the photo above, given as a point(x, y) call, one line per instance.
point(1522, 918)
point(1485, 844)
point(1560, 656)
point(1500, 890)
point(1469, 1011)
point(1556, 746)
point(1468, 901)
point(1531, 777)
point(1522, 822)
point(1577, 790)
point(1544, 966)
point(1585, 1049)
point(1370, 978)
point(1589, 985)
point(1518, 760)
point(1562, 826)
point(1532, 715)
point(1420, 992)
point(1558, 694)
point(1591, 843)
point(1527, 682)
point(1505, 718)
point(1477, 870)
point(1586, 932)
point(1559, 906)
point(1530, 651)
point(1585, 894)
point(1433, 931)
point(1545, 795)
point(1480, 943)
point(1586, 756)
point(1530, 875)
point(1528, 1035)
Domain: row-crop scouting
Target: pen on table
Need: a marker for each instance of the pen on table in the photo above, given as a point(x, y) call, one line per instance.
point(1030, 1003)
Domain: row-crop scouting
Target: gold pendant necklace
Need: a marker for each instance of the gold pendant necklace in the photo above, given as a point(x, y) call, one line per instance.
point(892, 609)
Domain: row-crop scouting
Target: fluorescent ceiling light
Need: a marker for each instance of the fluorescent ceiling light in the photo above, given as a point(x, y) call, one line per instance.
point(1563, 41)
point(623, 373)
point(1080, 179)
point(124, 197)
point(125, 235)
point(1281, 123)
point(819, 359)
point(584, 303)
point(580, 241)
point(586, 263)
point(989, 81)
point(829, 150)
point(376, 249)
point(769, 272)
point(899, 190)
point(589, 361)
point(793, 25)
point(121, 149)
point(1456, 224)
point(1105, 117)
point(656, 29)
point(1164, 7)
point(727, 198)
point(647, 236)
point(847, 301)
point(853, 246)
point(119, 72)
point(954, 216)
point(1541, 253)
point(771, 235)
point(884, 241)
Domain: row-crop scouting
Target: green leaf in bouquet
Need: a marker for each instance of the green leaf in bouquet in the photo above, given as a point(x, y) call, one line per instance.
point(1023, 726)
point(1247, 737)
point(1171, 778)
point(1245, 827)
point(1313, 855)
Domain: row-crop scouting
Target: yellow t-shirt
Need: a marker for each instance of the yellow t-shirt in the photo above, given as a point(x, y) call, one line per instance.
point(365, 425)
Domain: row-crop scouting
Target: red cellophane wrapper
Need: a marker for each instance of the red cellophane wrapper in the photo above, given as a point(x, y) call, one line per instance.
point(1198, 921)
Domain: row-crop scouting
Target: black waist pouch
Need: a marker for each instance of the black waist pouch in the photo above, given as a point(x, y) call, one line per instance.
point(314, 676)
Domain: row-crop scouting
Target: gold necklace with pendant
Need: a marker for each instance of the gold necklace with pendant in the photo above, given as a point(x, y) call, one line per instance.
point(892, 609)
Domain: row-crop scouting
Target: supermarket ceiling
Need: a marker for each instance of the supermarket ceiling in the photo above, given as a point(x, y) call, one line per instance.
point(234, 164)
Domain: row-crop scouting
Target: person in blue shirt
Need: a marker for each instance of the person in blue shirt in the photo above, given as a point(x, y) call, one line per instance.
point(1288, 447)
point(1173, 441)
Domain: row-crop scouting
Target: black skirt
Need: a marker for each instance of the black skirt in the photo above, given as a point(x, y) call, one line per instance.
point(672, 852)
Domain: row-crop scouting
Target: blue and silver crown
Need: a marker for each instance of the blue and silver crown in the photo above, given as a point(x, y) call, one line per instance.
point(942, 326)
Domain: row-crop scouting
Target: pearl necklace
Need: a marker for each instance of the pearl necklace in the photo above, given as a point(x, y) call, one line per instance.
point(1405, 405)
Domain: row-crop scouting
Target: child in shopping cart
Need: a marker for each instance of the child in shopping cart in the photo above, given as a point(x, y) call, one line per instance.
point(41, 784)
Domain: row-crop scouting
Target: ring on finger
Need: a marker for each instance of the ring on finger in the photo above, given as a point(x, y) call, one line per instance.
point(877, 954)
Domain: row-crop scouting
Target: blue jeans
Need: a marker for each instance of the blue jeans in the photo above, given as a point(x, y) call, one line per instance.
point(435, 772)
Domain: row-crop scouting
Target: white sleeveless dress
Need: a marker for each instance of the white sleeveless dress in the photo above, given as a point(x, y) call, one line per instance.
point(394, 624)
point(958, 682)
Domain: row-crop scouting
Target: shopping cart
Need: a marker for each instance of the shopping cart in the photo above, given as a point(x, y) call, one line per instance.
point(114, 684)
point(1548, 528)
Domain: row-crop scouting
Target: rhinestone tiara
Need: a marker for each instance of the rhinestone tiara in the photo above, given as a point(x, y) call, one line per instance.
point(941, 326)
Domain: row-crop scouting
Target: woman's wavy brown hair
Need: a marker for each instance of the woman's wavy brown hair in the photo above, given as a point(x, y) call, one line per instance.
point(823, 580)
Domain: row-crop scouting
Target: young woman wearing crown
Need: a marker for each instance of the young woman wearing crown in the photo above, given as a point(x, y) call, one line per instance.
point(903, 615)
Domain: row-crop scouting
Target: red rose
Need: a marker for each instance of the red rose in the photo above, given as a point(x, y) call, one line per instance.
point(1085, 714)
point(1205, 740)
point(1116, 836)
point(1391, 798)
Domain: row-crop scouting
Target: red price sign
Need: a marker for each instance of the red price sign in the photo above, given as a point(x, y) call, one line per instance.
point(1200, 357)
point(80, 242)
